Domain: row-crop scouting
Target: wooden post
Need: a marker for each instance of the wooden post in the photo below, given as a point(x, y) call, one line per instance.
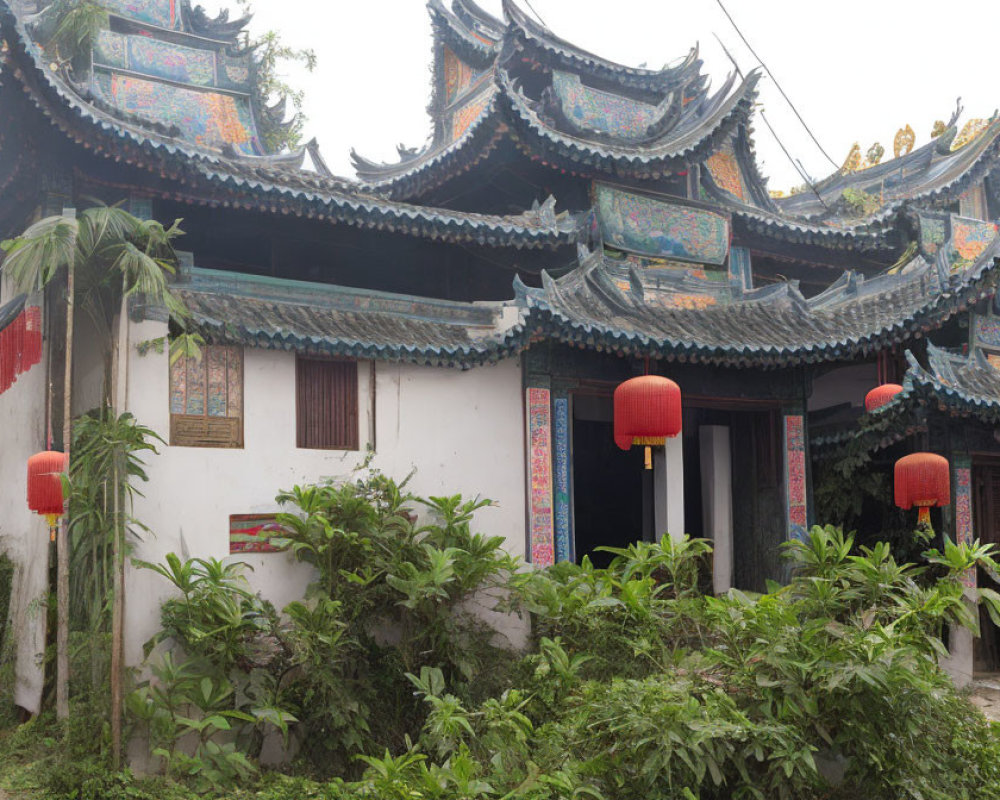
point(62, 542)
point(117, 553)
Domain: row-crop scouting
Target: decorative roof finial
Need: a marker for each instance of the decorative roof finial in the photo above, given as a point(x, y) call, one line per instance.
point(874, 154)
point(853, 161)
point(903, 143)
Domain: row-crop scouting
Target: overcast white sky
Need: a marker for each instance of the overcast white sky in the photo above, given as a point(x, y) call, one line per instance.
point(856, 70)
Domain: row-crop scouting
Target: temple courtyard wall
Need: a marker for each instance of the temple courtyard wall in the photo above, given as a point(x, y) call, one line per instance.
point(457, 431)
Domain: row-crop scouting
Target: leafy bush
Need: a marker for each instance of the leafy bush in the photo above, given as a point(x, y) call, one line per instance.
point(636, 683)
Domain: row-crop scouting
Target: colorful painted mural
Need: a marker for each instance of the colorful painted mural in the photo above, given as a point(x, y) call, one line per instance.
point(458, 76)
point(171, 61)
point(155, 12)
point(933, 233)
point(642, 224)
point(987, 330)
point(465, 115)
point(961, 238)
point(111, 49)
point(208, 386)
point(795, 476)
point(969, 239)
point(600, 111)
point(540, 519)
point(252, 533)
point(964, 531)
point(725, 171)
point(561, 445)
point(210, 119)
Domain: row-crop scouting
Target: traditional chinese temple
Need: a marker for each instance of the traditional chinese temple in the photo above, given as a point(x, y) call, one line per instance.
point(468, 310)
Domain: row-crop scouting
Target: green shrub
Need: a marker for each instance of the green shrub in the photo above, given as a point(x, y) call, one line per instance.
point(636, 683)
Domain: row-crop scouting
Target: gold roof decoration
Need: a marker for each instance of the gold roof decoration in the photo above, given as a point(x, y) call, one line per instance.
point(874, 155)
point(903, 143)
point(776, 193)
point(938, 129)
point(970, 130)
point(853, 161)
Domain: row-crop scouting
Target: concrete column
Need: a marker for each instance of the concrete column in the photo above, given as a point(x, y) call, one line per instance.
point(717, 501)
point(668, 491)
point(959, 664)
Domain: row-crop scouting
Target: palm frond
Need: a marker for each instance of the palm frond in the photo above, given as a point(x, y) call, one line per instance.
point(35, 257)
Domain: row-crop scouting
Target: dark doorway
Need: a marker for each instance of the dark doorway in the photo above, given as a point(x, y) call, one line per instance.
point(612, 493)
point(986, 500)
point(758, 506)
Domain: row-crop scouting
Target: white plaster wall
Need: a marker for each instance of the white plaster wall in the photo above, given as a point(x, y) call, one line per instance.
point(88, 365)
point(23, 535)
point(461, 431)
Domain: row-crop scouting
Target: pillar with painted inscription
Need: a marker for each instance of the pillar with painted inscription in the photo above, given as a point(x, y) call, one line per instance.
point(794, 431)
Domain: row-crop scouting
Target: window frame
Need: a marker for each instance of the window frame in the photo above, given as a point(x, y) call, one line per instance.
point(206, 430)
point(310, 439)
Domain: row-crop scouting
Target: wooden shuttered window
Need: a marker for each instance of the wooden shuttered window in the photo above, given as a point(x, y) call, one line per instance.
point(326, 404)
point(206, 399)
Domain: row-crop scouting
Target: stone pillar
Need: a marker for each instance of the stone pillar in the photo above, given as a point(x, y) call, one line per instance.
point(717, 501)
point(959, 664)
point(668, 492)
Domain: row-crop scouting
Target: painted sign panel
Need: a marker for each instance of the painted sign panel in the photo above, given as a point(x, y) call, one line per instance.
point(155, 12)
point(540, 521)
point(961, 239)
point(795, 476)
point(206, 118)
point(602, 111)
point(560, 428)
point(641, 224)
point(251, 533)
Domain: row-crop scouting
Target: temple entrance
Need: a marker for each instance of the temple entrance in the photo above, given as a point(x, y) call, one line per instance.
point(612, 493)
point(986, 502)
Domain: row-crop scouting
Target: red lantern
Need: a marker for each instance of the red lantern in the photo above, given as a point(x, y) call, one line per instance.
point(923, 480)
point(881, 395)
point(45, 488)
point(647, 412)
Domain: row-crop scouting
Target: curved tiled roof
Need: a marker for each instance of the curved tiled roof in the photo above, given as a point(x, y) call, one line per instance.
point(698, 124)
point(274, 185)
point(773, 326)
point(960, 385)
point(932, 173)
point(320, 319)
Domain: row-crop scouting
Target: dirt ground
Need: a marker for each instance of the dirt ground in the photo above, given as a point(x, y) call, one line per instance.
point(985, 695)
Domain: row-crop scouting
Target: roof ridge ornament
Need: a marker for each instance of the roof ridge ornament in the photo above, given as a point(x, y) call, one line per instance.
point(903, 142)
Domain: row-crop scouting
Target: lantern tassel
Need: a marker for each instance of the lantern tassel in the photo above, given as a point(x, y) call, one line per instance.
point(649, 457)
point(924, 517)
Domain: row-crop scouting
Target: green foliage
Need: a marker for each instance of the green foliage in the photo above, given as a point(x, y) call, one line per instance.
point(68, 28)
point(114, 255)
point(271, 57)
point(859, 203)
point(107, 463)
point(635, 684)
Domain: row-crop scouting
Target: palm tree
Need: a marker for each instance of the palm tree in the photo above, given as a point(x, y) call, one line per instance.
point(108, 256)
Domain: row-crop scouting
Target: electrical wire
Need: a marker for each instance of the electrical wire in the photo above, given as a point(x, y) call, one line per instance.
point(778, 85)
point(794, 162)
point(528, 3)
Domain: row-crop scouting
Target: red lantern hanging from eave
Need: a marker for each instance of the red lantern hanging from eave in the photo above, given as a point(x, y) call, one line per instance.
point(881, 395)
point(45, 487)
point(923, 480)
point(647, 412)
